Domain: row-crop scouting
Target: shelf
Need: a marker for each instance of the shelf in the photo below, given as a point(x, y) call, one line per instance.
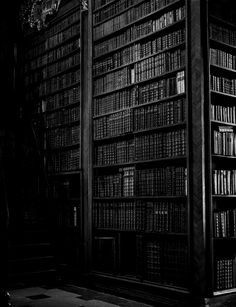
point(224, 238)
point(177, 234)
point(227, 291)
point(54, 47)
point(63, 148)
point(161, 128)
point(166, 74)
point(115, 137)
point(223, 196)
point(60, 90)
point(30, 70)
point(71, 105)
point(177, 96)
point(223, 157)
point(70, 124)
point(223, 44)
point(157, 12)
point(135, 162)
point(117, 14)
point(139, 60)
point(71, 68)
point(144, 37)
point(139, 197)
point(217, 122)
point(103, 6)
point(72, 173)
point(222, 94)
point(226, 69)
point(223, 22)
point(75, 67)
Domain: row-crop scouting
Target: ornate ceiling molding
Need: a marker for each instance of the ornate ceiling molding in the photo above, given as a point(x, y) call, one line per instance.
point(84, 5)
point(35, 12)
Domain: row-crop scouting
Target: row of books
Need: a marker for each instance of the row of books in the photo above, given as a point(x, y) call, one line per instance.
point(63, 99)
point(118, 6)
point(128, 76)
point(68, 215)
point(222, 34)
point(158, 65)
point(160, 145)
point(224, 182)
point(223, 113)
point(59, 83)
point(98, 3)
point(64, 161)
point(123, 122)
point(56, 27)
point(53, 41)
point(143, 94)
point(138, 31)
point(166, 262)
point(114, 153)
point(61, 137)
point(225, 223)
point(133, 14)
point(120, 184)
point(166, 217)
point(224, 141)
point(116, 101)
point(222, 58)
point(115, 124)
point(51, 70)
point(113, 81)
point(138, 51)
point(52, 55)
point(165, 181)
point(225, 273)
point(142, 148)
point(159, 114)
point(223, 85)
point(62, 117)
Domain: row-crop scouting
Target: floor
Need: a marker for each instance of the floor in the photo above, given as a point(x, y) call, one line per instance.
point(74, 297)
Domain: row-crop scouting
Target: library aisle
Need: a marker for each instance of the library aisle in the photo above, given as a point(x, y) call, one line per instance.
point(69, 296)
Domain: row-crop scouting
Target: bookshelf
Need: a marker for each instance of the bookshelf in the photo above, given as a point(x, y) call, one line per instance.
point(140, 150)
point(222, 74)
point(52, 82)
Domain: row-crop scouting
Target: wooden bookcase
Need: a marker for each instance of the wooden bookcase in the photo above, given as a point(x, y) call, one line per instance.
point(222, 97)
point(52, 82)
point(140, 142)
point(150, 196)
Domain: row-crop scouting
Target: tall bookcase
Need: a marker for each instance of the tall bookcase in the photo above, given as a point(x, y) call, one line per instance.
point(52, 80)
point(222, 97)
point(140, 142)
point(134, 111)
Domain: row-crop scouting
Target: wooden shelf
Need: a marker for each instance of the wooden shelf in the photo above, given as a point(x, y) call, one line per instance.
point(181, 45)
point(141, 197)
point(60, 90)
point(166, 74)
point(116, 14)
point(166, 99)
point(141, 38)
point(222, 94)
point(224, 69)
point(227, 291)
point(135, 162)
point(157, 12)
point(217, 122)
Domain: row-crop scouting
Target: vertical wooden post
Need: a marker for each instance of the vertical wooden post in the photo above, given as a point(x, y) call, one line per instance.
point(86, 116)
point(197, 159)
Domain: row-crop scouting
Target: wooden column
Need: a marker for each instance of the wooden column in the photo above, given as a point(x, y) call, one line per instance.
point(197, 159)
point(86, 116)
